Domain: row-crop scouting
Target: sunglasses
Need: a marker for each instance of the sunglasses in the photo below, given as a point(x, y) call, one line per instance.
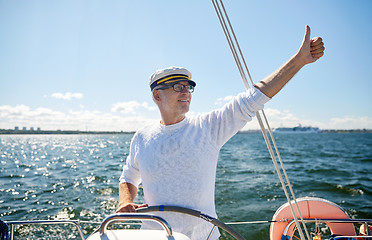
point(179, 87)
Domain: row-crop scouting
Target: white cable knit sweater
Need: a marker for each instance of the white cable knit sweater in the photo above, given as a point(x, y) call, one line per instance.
point(177, 163)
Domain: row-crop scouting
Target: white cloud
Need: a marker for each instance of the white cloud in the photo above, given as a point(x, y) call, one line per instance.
point(221, 101)
point(277, 118)
point(49, 119)
point(131, 107)
point(67, 96)
point(6, 110)
point(283, 118)
point(349, 122)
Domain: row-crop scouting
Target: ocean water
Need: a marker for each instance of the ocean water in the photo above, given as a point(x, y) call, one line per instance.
point(76, 177)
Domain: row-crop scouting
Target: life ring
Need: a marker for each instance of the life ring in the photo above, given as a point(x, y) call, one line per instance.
point(310, 207)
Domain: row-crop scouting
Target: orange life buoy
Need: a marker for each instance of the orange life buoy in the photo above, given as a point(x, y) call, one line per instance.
point(310, 207)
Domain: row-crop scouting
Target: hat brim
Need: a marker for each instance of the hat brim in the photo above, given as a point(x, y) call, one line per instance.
point(191, 82)
point(173, 81)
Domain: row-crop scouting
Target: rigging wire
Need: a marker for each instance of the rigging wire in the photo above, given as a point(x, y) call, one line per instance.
point(238, 59)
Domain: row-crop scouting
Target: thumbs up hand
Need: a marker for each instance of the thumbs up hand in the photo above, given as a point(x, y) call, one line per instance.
point(311, 49)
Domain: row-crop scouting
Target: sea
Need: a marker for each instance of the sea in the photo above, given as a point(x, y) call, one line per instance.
point(76, 177)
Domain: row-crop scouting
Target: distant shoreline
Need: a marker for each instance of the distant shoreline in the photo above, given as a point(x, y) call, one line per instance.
point(22, 132)
point(320, 131)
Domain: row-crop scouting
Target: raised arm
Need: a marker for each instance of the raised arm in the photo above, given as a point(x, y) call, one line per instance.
point(310, 51)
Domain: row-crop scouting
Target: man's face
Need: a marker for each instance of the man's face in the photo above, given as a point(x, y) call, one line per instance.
point(175, 103)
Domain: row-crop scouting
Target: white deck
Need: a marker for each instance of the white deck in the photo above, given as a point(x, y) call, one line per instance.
point(131, 234)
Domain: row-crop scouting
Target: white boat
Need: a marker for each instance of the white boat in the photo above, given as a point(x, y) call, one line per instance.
point(298, 129)
point(315, 211)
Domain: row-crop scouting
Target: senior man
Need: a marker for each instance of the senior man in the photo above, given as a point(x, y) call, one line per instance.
point(176, 159)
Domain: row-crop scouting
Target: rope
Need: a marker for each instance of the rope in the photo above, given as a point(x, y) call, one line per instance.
point(4, 231)
point(250, 222)
point(239, 58)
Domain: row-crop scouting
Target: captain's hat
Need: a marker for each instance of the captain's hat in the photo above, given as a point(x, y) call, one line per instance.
point(170, 75)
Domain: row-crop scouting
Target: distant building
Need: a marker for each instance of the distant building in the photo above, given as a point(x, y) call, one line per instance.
point(24, 128)
point(32, 128)
point(38, 129)
point(16, 128)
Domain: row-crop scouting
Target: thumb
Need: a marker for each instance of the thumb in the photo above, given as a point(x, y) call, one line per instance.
point(142, 206)
point(307, 34)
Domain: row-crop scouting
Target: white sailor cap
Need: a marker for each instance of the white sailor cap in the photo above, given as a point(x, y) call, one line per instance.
point(170, 75)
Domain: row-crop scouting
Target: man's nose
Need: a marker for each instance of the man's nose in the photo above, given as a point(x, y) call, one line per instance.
point(184, 89)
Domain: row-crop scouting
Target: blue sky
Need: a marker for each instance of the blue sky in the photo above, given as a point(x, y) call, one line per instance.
point(84, 65)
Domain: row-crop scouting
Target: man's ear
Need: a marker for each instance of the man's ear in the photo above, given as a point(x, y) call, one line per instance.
point(156, 95)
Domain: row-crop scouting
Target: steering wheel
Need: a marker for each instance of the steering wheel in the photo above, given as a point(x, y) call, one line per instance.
point(195, 213)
